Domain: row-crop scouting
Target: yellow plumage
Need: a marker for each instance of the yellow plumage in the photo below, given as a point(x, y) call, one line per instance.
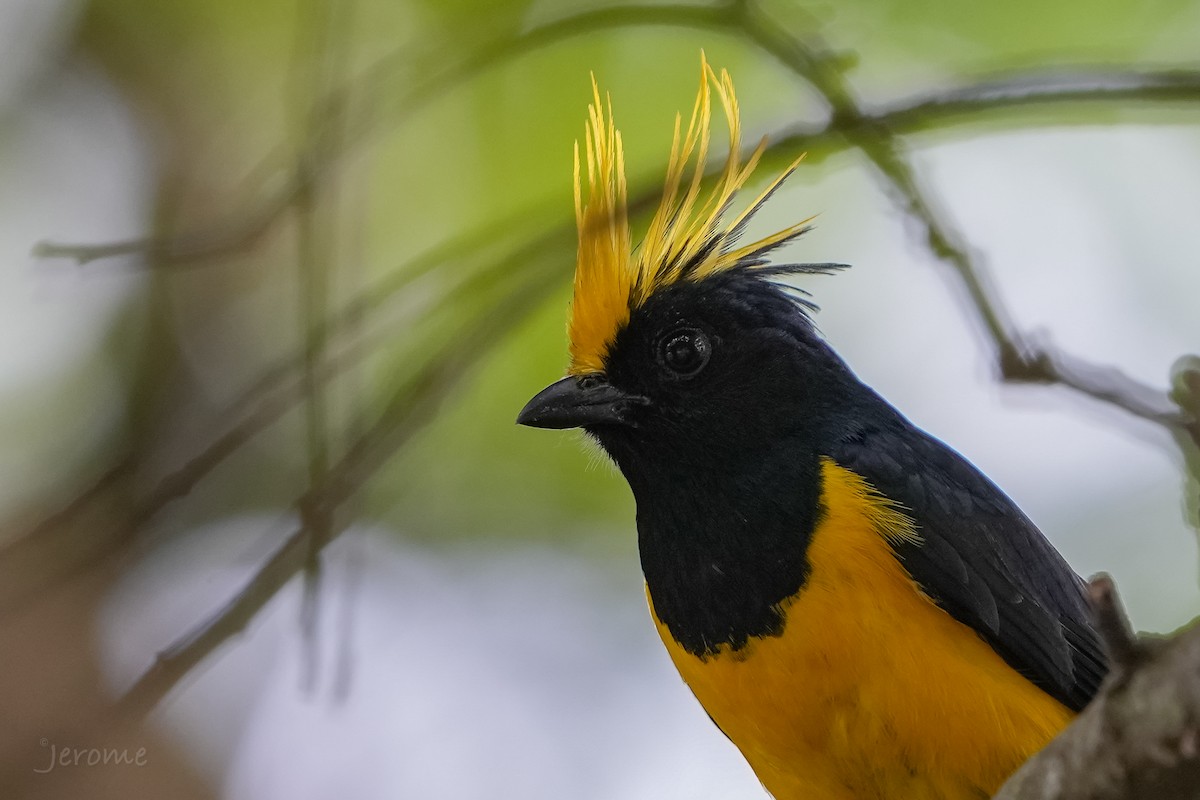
point(686, 240)
point(871, 692)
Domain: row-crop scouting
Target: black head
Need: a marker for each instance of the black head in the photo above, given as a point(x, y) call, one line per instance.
point(714, 402)
point(705, 375)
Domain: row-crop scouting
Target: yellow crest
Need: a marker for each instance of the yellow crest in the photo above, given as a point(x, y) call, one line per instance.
point(686, 240)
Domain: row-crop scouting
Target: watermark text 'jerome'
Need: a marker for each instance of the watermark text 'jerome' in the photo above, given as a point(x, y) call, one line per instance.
point(90, 757)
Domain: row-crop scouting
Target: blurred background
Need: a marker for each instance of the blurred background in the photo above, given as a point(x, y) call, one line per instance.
point(278, 275)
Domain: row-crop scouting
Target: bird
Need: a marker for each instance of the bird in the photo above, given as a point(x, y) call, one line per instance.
point(856, 606)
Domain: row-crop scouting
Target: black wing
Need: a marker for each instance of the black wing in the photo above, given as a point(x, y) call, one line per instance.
point(981, 559)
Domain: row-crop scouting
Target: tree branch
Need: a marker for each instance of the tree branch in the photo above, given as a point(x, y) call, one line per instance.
point(1016, 359)
point(1140, 738)
point(874, 133)
point(320, 54)
point(1066, 87)
point(279, 390)
point(412, 406)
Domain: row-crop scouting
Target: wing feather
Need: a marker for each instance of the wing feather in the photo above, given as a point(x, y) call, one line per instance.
point(981, 559)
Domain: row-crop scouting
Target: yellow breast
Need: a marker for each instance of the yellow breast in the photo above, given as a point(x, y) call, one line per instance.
point(871, 692)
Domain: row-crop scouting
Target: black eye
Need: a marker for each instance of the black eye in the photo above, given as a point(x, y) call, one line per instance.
point(684, 352)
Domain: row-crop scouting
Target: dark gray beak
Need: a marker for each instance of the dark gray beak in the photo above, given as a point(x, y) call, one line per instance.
point(579, 401)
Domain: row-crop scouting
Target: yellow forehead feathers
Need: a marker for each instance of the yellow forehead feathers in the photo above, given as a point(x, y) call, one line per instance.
point(686, 239)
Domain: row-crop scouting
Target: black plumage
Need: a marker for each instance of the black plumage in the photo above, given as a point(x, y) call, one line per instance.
point(979, 557)
point(774, 400)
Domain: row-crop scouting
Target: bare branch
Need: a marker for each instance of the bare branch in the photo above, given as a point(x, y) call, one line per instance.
point(321, 50)
point(1066, 87)
point(1140, 738)
point(875, 134)
point(255, 411)
point(1017, 360)
point(412, 406)
point(1041, 364)
point(236, 233)
point(175, 662)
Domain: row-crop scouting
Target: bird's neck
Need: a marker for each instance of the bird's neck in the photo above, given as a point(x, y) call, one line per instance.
point(722, 545)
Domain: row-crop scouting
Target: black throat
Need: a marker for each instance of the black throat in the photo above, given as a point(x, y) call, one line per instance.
point(723, 545)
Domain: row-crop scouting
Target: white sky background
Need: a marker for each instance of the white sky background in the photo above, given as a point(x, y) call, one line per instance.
point(539, 671)
point(73, 165)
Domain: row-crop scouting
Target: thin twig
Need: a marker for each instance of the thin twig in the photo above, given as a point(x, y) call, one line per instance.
point(1042, 364)
point(232, 235)
point(256, 411)
point(412, 406)
point(1016, 358)
point(182, 656)
point(322, 35)
point(123, 467)
point(1068, 86)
